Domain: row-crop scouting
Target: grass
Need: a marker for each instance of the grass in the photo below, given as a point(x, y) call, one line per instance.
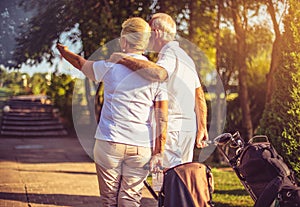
point(229, 191)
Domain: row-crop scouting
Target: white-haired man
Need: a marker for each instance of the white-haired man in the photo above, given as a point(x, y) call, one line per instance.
point(187, 107)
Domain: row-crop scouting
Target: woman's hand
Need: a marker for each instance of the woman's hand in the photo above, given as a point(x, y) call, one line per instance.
point(61, 48)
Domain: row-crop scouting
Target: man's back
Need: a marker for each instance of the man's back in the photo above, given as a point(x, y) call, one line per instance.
point(183, 80)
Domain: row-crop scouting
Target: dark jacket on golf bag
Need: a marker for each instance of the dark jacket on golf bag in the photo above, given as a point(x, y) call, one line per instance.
point(268, 177)
point(187, 185)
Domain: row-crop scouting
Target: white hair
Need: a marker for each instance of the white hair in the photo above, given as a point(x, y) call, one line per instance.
point(164, 23)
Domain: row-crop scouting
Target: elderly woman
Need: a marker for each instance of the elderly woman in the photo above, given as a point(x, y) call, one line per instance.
point(124, 140)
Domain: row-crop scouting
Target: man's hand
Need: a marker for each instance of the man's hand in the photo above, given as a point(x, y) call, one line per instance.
point(201, 138)
point(116, 57)
point(156, 163)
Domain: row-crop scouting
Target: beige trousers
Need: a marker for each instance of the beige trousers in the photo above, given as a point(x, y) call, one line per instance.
point(120, 172)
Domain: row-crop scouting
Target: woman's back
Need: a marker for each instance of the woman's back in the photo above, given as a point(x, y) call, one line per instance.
point(128, 103)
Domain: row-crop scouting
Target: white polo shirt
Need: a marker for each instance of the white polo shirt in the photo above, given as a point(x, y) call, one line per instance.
point(127, 111)
point(183, 80)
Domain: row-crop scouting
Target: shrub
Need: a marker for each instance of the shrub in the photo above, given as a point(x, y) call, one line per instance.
point(281, 118)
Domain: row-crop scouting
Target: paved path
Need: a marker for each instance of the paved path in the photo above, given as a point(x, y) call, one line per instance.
point(39, 172)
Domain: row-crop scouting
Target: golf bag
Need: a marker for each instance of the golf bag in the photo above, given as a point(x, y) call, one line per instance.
point(186, 185)
point(261, 170)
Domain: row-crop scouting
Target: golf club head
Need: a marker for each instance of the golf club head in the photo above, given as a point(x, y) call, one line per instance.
point(222, 139)
point(237, 141)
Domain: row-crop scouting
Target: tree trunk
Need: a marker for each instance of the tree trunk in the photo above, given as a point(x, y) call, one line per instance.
point(219, 100)
point(275, 53)
point(217, 156)
point(240, 30)
point(273, 68)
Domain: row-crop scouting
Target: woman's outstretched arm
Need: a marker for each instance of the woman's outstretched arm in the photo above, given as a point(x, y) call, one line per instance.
point(77, 61)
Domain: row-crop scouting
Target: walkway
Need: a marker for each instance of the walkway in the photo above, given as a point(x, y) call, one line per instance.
point(49, 171)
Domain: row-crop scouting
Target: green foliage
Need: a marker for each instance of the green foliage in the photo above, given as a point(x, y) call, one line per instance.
point(98, 21)
point(5, 93)
point(38, 83)
point(59, 87)
point(60, 90)
point(14, 81)
point(258, 64)
point(281, 118)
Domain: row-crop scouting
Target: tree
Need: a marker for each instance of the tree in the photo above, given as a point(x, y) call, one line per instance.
point(60, 90)
point(97, 22)
point(281, 118)
point(276, 51)
point(38, 83)
point(234, 55)
point(204, 31)
point(202, 22)
point(3, 75)
point(259, 41)
point(11, 16)
point(239, 10)
point(14, 81)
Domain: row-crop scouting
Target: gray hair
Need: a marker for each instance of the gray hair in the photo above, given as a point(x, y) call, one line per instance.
point(164, 23)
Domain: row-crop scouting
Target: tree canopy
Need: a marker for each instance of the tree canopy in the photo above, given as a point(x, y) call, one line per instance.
point(11, 18)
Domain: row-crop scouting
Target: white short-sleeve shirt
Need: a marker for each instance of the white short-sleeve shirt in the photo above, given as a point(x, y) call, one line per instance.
point(182, 82)
point(127, 111)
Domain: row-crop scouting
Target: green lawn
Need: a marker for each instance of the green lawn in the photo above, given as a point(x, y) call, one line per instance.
point(228, 189)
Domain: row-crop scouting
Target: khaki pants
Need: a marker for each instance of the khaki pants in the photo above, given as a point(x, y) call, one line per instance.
point(120, 172)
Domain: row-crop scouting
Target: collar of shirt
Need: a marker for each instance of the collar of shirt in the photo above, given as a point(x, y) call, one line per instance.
point(137, 56)
point(168, 45)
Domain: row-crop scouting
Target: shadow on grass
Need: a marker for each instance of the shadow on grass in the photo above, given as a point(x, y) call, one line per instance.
point(232, 192)
point(217, 204)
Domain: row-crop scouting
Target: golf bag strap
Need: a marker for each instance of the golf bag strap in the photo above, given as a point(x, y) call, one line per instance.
point(269, 193)
point(150, 189)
